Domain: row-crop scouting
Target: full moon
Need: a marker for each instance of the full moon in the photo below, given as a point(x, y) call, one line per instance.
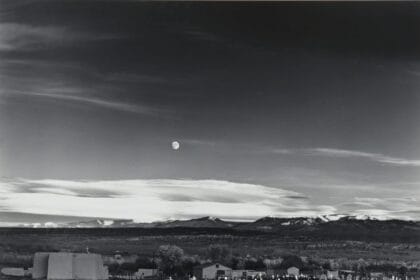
point(175, 145)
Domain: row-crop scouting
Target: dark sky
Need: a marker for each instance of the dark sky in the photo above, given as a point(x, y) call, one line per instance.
point(312, 108)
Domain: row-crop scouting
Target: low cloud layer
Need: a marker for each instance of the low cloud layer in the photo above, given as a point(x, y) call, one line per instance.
point(385, 208)
point(150, 200)
point(161, 199)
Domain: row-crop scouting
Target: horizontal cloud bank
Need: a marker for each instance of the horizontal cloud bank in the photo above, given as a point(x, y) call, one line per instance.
point(162, 199)
point(151, 200)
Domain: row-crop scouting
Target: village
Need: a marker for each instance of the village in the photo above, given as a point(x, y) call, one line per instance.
point(170, 263)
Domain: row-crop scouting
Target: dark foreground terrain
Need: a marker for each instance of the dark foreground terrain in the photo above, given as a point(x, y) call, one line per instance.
point(346, 238)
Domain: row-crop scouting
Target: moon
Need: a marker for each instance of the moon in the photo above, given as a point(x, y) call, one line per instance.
point(175, 145)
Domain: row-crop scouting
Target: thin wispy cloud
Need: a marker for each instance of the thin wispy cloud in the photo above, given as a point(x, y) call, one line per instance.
point(100, 96)
point(324, 152)
point(199, 142)
point(25, 37)
point(342, 153)
point(115, 105)
point(135, 78)
point(339, 153)
point(414, 72)
point(21, 36)
point(23, 77)
point(95, 102)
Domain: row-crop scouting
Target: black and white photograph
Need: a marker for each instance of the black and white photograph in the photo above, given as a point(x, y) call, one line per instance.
point(209, 140)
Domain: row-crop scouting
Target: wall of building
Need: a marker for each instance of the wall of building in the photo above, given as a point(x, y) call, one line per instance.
point(87, 266)
point(239, 273)
point(210, 272)
point(40, 266)
point(69, 266)
point(332, 274)
point(293, 271)
point(146, 272)
point(13, 271)
point(60, 266)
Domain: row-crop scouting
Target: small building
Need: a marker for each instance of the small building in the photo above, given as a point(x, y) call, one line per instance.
point(276, 272)
point(346, 274)
point(293, 271)
point(119, 258)
point(14, 271)
point(333, 274)
point(323, 277)
point(146, 272)
point(69, 266)
point(376, 275)
point(212, 271)
point(244, 273)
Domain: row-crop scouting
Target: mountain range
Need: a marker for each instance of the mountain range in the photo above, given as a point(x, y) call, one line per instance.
point(331, 227)
point(266, 224)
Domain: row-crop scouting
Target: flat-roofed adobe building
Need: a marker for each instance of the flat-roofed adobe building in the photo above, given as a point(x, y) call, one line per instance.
point(69, 266)
point(245, 273)
point(293, 271)
point(212, 271)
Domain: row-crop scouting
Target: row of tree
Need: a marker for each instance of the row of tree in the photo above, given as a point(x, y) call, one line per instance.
point(171, 260)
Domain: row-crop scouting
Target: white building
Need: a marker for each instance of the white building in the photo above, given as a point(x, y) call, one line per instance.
point(376, 275)
point(293, 271)
point(146, 272)
point(69, 266)
point(244, 273)
point(333, 274)
point(323, 277)
point(14, 271)
point(212, 271)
